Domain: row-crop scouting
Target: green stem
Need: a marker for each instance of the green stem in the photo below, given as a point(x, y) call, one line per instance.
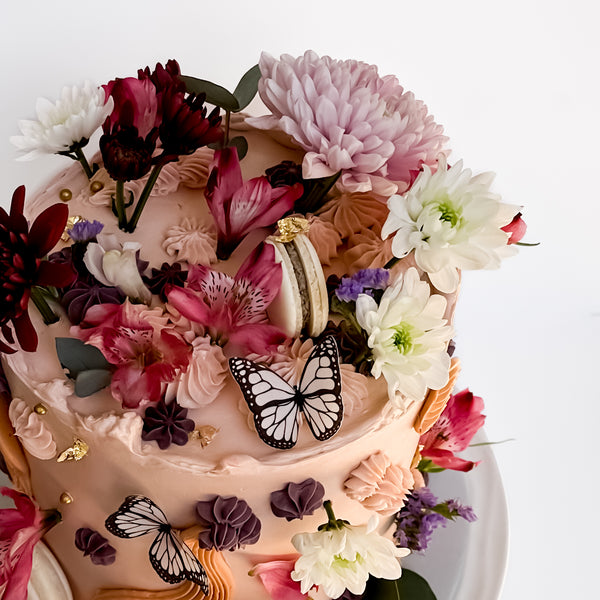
point(120, 204)
point(527, 244)
point(139, 207)
point(330, 514)
point(47, 313)
point(227, 123)
point(390, 263)
point(83, 161)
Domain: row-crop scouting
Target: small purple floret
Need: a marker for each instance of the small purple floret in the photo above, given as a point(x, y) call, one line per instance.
point(362, 282)
point(84, 231)
point(297, 499)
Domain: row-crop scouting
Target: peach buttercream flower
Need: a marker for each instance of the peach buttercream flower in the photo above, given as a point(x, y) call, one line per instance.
point(366, 250)
point(191, 241)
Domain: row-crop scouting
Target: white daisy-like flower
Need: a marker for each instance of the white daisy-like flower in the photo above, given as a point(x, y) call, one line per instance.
point(71, 120)
point(408, 336)
point(344, 558)
point(452, 221)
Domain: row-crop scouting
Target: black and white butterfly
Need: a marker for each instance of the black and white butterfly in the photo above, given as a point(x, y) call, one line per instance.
point(169, 555)
point(277, 405)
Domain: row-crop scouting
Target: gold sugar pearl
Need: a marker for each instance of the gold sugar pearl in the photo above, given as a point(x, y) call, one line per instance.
point(66, 498)
point(65, 195)
point(96, 186)
point(40, 409)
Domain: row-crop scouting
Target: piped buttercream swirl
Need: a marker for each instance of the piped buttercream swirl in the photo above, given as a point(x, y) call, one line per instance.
point(191, 241)
point(29, 427)
point(379, 485)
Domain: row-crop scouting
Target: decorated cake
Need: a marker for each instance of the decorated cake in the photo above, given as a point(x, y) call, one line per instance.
point(227, 339)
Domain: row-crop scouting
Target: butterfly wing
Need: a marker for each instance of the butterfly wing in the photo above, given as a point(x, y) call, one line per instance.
point(174, 561)
point(137, 516)
point(321, 389)
point(271, 399)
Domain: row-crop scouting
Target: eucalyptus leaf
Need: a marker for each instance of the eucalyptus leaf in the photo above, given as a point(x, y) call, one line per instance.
point(410, 586)
point(89, 382)
point(215, 94)
point(240, 144)
point(78, 357)
point(247, 87)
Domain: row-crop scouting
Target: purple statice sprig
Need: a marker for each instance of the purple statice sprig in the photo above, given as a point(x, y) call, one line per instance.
point(365, 281)
point(85, 231)
point(422, 514)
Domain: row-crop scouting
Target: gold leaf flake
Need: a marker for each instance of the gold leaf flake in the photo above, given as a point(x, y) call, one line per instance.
point(204, 434)
point(290, 227)
point(76, 452)
point(70, 222)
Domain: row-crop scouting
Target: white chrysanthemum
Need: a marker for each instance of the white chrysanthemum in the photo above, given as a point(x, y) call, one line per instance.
point(341, 559)
point(408, 336)
point(452, 221)
point(70, 120)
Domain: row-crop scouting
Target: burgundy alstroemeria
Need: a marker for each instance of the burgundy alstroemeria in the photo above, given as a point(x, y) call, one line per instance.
point(233, 310)
point(516, 228)
point(164, 77)
point(21, 528)
point(240, 206)
point(22, 249)
point(145, 350)
point(454, 431)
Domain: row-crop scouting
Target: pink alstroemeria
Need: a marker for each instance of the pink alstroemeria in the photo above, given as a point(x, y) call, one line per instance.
point(233, 310)
point(516, 228)
point(240, 206)
point(454, 431)
point(21, 528)
point(276, 577)
point(145, 350)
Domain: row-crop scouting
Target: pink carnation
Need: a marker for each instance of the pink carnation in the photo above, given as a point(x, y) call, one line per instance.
point(349, 119)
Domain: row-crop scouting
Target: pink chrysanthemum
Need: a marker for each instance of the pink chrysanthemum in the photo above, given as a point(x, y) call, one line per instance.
point(349, 119)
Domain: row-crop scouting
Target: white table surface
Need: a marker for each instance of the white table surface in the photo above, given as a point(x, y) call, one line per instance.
point(515, 84)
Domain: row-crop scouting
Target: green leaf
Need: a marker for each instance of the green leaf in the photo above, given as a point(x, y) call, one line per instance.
point(410, 586)
point(215, 94)
point(89, 382)
point(240, 144)
point(78, 357)
point(247, 87)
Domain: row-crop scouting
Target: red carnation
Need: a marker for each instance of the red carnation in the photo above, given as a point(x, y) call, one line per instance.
point(22, 249)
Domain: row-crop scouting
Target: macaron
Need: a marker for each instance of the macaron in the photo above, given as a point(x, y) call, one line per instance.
point(302, 304)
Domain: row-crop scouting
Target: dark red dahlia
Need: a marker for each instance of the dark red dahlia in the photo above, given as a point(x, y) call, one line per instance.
point(22, 249)
point(164, 77)
point(126, 155)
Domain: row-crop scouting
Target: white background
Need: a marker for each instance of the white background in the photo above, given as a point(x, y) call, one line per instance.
point(516, 86)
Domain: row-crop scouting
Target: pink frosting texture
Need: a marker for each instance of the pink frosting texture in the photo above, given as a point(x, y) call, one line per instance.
point(192, 242)
point(31, 430)
point(379, 485)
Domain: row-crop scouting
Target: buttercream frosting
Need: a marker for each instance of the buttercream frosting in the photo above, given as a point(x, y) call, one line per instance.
point(30, 428)
point(191, 241)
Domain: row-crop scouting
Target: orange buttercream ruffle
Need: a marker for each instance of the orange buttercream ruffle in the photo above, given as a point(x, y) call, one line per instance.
point(436, 401)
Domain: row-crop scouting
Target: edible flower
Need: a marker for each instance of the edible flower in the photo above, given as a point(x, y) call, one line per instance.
point(453, 432)
point(233, 309)
point(21, 528)
point(139, 342)
point(516, 229)
point(341, 556)
point(408, 336)
point(349, 120)
point(452, 221)
point(22, 269)
point(240, 206)
point(276, 576)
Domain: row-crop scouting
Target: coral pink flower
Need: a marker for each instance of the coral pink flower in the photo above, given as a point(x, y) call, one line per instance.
point(21, 528)
point(142, 346)
point(276, 577)
point(516, 228)
point(240, 206)
point(454, 431)
point(349, 119)
point(233, 310)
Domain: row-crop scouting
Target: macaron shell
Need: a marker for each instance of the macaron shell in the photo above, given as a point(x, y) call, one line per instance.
point(317, 287)
point(286, 309)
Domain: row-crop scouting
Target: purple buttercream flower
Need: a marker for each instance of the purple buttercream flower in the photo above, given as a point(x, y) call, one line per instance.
point(85, 230)
point(162, 279)
point(94, 545)
point(421, 514)
point(167, 424)
point(83, 295)
point(229, 523)
point(297, 499)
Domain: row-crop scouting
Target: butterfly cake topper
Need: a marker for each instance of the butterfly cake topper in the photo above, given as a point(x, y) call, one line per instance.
point(170, 557)
point(277, 406)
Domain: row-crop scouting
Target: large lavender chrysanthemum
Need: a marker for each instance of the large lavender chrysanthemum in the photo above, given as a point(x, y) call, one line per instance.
point(349, 119)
